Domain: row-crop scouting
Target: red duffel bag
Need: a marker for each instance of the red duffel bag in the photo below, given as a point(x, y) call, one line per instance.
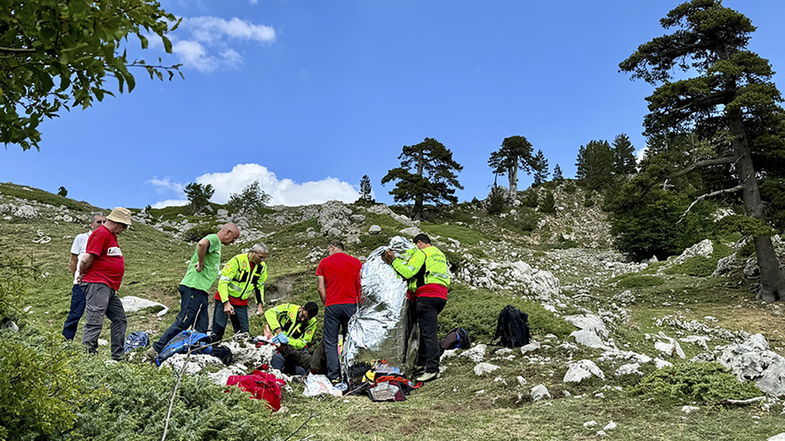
point(261, 385)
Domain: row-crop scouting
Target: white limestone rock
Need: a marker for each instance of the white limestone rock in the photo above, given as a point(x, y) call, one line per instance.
point(484, 368)
point(581, 370)
point(134, 304)
point(531, 347)
point(588, 322)
point(589, 339)
point(629, 369)
point(540, 392)
point(476, 353)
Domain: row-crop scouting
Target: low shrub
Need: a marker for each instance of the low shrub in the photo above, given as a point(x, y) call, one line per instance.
point(477, 312)
point(137, 400)
point(530, 199)
point(638, 281)
point(548, 203)
point(40, 389)
point(196, 233)
point(698, 266)
point(694, 382)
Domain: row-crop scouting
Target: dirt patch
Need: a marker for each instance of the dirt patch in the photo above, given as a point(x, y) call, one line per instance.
point(415, 425)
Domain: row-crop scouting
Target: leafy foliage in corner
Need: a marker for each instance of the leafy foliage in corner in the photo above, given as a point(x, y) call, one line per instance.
point(250, 201)
point(708, 383)
point(40, 389)
point(57, 54)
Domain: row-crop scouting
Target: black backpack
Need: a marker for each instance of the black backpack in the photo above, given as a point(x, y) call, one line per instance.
point(456, 338)
point(512, 328)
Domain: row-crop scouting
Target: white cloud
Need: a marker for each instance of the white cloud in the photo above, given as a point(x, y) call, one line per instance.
point(215, 29)
point(170, 203)
point(640, 154)
point(282, 191)
point(164, 186)
point(206, 43)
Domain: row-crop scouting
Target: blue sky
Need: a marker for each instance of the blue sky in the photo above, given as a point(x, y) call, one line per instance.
point(308, 96)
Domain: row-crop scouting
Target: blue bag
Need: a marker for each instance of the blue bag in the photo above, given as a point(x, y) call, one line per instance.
point(198, 342)
point(138, 339)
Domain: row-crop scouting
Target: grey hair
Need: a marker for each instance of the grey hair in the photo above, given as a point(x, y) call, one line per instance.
point(259, 248)
point(94, 215)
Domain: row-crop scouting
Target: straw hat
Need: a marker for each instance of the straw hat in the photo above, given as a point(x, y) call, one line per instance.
point(120, 215)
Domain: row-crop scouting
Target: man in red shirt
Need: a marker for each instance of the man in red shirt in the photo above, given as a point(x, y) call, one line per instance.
point(338, 283)
point(101, 272)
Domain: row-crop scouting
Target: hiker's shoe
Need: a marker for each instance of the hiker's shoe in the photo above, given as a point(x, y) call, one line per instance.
point(427, 376)
point(150, 355)
point(418, 370)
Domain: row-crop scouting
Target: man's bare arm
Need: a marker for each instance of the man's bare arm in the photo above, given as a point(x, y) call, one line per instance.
point(320, 287)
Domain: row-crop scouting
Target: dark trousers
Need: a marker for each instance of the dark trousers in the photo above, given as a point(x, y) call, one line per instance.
point(100, 301)
point(428, 309)
point(75, 313)
point(220, 318)
point(299, 361)
point(336, 317)
point(193, 309)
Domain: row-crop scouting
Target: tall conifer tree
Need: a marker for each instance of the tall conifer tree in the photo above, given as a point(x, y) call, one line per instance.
point(427, 174)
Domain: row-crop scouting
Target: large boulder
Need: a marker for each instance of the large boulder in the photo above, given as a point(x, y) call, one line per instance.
point(752, 360)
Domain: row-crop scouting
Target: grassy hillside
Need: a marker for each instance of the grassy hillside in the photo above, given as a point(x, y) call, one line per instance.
point(572, 244)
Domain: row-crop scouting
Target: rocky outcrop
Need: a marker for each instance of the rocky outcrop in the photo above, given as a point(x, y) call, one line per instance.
point(753, 360)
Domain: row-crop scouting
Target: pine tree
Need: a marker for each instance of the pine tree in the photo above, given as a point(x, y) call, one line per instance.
point(595, 165)
point(623, 156)
point(198, 196)
point(540, 168)
point(427, 174)
point(730, 102)
point(62, 191)
point(557, 174)
point(250, 201)
point(515, 153)
point(366, 192)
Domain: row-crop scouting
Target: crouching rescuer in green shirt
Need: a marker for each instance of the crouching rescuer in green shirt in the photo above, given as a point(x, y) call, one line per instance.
point(242, 275)
point(429, 279)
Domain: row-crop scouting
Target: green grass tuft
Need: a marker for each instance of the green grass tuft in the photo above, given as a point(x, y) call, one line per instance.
point(708, 383)
point(477, 312)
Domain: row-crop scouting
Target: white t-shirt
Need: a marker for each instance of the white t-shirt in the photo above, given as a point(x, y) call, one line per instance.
point(78, 247)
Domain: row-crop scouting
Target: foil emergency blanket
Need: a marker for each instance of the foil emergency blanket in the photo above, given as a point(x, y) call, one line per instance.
point(378, 330)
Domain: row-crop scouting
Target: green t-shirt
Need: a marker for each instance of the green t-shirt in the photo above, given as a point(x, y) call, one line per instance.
point(212, 262)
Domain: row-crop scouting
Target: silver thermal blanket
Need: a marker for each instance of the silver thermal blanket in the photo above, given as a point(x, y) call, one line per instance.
point(379, 328)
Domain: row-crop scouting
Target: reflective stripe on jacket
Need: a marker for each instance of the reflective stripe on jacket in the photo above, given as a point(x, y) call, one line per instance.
point(284, 316)
point(238, 281)
point(428, 265)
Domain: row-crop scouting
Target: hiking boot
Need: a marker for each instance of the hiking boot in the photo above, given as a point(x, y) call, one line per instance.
point(150, 355)
point(418, 370)
point(427, 376)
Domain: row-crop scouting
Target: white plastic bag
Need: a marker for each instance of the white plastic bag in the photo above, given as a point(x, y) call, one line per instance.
point(316, 385)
